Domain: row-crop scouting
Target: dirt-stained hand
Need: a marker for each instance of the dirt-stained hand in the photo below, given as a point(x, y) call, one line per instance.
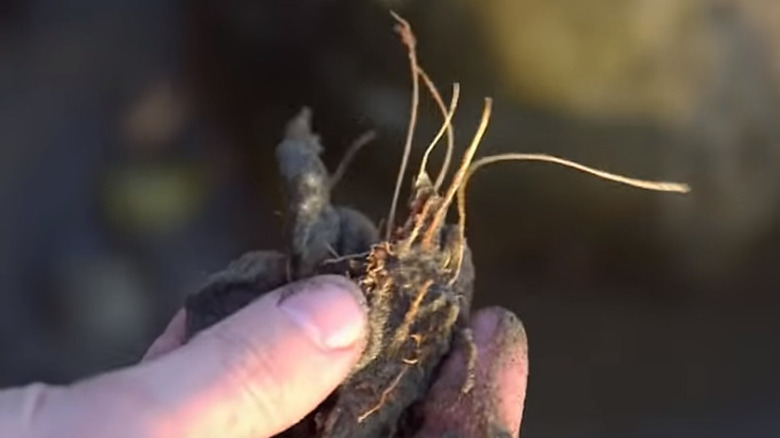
point(494, 406)
point(264, 368)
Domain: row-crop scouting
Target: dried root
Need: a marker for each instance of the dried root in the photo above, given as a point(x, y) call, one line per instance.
point(407, 36)
point(447, 114)
point(429, 209)
point(383, 398)
point(418, 281)
point(353, 149)
point(468, 166)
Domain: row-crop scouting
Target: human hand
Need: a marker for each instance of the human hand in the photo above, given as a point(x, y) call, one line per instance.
point(263, 369)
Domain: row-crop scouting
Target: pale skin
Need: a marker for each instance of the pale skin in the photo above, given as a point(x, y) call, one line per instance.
point(259, 372)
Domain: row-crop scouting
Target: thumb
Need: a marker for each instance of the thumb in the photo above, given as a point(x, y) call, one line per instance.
point(253, 375)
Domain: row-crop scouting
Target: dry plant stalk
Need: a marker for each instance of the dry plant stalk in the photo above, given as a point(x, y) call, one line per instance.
point(418, 280)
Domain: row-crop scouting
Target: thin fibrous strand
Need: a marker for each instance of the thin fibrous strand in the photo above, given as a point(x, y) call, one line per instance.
point(402, 332)
point(405, 30)
point(461, 202)
point(467, 336)
point(461, 231)
point(353, 149)
point(419, 223)
point(461, 175)
point(447, 124)
point(383, 397)
point(445, 127)
point(340, 259)
point(659, 186)
point(662, 186)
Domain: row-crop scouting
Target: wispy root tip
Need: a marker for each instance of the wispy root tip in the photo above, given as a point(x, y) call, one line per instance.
point(462, 174)
point(445, 127)
point(407, 37)
point(353, 149)
point(468, 164)
point(659, 186)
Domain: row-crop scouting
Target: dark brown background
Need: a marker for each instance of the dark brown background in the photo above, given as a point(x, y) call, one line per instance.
point(137, 157)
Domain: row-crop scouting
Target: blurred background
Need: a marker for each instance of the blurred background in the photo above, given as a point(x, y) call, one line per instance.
point(137, 142)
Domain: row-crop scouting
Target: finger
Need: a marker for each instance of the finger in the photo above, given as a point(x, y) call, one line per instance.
point(505, 365)
point(172, 338)
point(252, 375)
point(494, 406)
